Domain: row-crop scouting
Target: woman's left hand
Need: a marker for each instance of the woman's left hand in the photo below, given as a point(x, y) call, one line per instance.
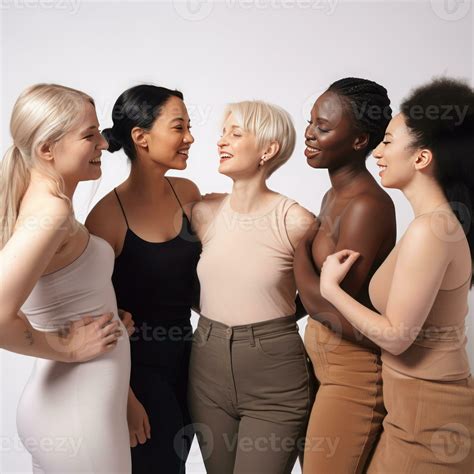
point(335, 268)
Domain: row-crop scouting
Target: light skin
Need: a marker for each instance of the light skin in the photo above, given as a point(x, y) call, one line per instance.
point(151, 207)
point(246, 163)
point(47, 238)
point(347, 213)
point(418, 276)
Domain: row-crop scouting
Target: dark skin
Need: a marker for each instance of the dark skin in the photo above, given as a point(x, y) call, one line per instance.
point(355, 213)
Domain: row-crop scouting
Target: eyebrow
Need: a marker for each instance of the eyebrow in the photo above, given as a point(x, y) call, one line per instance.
point(89, 128)
point(181, 119)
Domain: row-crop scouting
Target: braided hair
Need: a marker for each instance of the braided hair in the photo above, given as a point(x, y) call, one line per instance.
point(368, 104)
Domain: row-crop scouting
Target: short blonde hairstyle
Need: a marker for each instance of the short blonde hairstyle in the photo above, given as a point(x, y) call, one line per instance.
point(268, 123)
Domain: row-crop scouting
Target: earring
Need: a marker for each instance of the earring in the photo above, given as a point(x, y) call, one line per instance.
point(262, 161)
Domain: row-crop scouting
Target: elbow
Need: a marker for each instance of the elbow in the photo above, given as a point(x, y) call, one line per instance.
point(394, 350)
point(397, 347)
point(309, 308)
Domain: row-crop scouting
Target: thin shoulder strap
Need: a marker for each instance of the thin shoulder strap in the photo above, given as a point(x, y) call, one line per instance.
point(174, 192)
point(121, 207)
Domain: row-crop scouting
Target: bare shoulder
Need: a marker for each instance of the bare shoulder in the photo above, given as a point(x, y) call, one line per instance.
point(204, 212)
point(439, 232)
point(370, 204)
point(208, 206)
point(106, 220)
point(41, 211)
point(187, 190)
point(297, 222)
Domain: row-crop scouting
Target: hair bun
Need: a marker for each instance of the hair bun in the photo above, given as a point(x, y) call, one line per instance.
point(114, 144)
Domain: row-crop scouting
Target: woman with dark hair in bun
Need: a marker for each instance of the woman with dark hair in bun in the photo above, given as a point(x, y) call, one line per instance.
point(146, 220)
point(347, 121)
point(421, 289)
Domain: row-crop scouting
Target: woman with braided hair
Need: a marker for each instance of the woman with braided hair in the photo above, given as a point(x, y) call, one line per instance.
point(421, 289)
point(347, 122)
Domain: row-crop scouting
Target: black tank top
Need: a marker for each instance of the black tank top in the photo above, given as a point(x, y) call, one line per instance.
point(155, 281)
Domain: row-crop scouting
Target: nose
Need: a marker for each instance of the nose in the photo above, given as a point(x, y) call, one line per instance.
point(103, 143)
point(377, 153)
point(309, 132)
point(188, 138)
point(222, 141)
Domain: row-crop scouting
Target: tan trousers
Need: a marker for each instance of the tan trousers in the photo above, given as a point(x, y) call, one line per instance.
point(346, 418)
point(249, 395)
point(429, 427)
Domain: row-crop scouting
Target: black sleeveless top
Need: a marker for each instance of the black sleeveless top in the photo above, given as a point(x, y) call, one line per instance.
point(155, 281)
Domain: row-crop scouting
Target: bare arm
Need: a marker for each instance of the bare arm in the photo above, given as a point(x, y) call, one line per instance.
point(416, 281)
point(357, 232)
point(297, 221)
point(23, 260)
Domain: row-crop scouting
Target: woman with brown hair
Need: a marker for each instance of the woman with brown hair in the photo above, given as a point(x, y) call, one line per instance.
point(420, 291)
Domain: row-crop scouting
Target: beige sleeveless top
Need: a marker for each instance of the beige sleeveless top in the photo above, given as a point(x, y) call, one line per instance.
point(246, 266)
point(81, 288)
point(439, 351)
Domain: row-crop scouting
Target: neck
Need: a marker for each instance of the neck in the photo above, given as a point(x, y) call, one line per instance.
point(38, 178)
point(342, 179)
point(147, 179)
point(248, 194)
point(426, 195)
point(70, 189)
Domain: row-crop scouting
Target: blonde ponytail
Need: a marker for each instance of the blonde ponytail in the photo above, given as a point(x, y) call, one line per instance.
point(14, 180)
point(43, 113)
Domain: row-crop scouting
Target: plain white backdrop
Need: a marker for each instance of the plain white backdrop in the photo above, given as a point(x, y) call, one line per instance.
point(282, 51)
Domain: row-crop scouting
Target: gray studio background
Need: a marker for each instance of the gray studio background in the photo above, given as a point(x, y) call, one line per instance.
point(282, 51)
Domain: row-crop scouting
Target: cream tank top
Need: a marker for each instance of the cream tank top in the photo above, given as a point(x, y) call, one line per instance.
point(246, 266)
point(439, 351)
point(81, 288)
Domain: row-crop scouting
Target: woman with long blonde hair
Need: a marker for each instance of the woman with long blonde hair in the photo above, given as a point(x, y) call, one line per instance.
point(54, 276)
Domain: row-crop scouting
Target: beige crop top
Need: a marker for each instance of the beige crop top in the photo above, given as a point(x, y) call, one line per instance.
point(81, 288)
point(246, 266)
point(439, 351)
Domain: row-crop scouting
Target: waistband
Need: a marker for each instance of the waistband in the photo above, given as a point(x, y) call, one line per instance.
point(247, 331)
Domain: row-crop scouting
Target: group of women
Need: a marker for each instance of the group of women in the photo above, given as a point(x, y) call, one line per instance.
point(382, 381)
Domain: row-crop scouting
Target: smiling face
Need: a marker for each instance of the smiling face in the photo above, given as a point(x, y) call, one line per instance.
point(238, 150)
point(169, 139)
point(395, 156)
point(76, 156)
point(330, 134)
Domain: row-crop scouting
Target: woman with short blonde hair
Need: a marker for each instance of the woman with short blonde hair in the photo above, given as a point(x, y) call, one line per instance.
point(249, 385)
